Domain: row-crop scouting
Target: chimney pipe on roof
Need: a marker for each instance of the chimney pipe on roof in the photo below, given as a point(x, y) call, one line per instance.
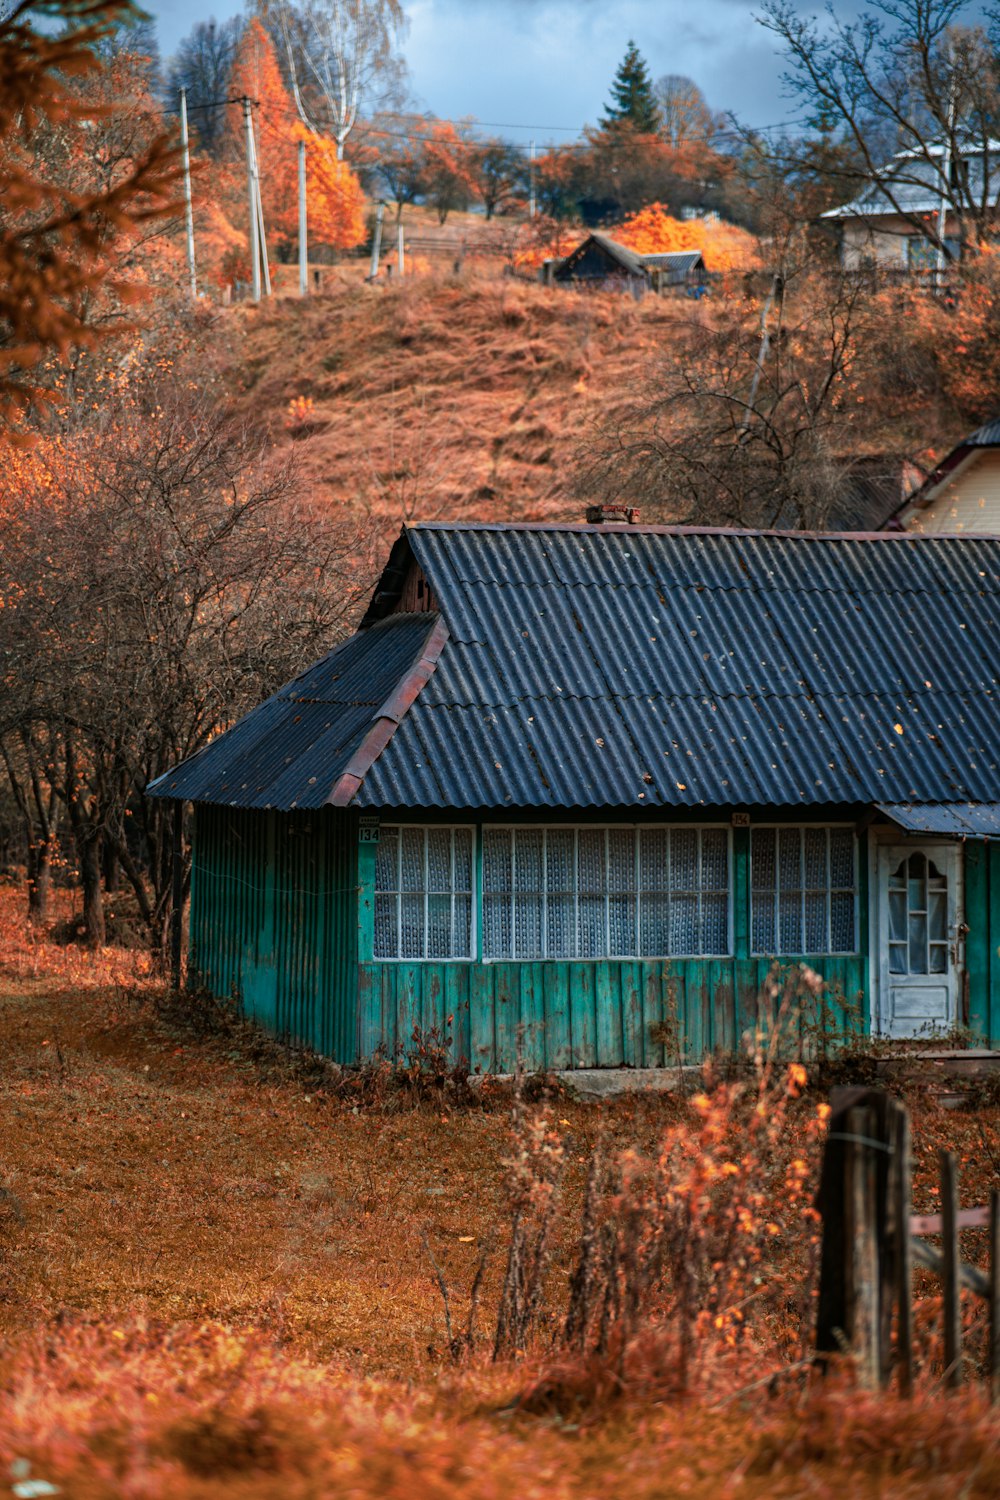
point(603, 515)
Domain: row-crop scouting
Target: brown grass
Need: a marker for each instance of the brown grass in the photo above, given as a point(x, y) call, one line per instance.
point(444, 398)
point(214, 1281)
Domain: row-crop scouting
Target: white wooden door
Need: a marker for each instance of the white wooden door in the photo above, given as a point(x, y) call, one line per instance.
point(918, 917)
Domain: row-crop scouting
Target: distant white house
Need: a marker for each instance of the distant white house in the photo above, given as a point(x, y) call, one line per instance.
point(962, 495)
point(892, 222)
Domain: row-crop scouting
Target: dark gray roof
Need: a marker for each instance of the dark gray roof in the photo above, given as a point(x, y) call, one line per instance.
point(607, 666)
point(294, 749)
point(987, 436)
point(915, 184)
point(680, 262)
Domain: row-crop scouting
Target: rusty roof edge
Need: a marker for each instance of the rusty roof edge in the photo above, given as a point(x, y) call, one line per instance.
point(388, 718)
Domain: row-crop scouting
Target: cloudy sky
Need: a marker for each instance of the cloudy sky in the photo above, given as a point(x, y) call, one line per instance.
point(543, 64)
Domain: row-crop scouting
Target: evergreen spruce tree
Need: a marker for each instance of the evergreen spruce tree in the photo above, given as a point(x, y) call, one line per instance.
point(632, 99)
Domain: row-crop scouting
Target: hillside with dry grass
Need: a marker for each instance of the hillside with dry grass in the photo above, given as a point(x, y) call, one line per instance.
point(438, 398)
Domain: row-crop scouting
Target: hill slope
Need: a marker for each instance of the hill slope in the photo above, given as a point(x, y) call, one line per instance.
point(444, 399)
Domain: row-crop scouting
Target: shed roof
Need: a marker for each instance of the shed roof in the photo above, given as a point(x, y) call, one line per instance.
point(619, 666)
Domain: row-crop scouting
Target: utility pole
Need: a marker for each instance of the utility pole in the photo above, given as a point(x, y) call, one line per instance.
point(188, 212)
point(531, 180)
point(400, 248)
point(260, 216)
point(303, 227)
point(377, 240)
point(252, 203)
point(942, 259)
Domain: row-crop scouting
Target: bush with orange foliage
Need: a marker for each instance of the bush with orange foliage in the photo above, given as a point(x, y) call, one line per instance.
point(725, 247)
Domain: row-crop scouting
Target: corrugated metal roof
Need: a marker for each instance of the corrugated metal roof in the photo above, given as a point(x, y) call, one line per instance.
point(915, 183)
point(987, 436)
point(979, 820)
point(596, 666)
point(618, 666)
point(291, 751)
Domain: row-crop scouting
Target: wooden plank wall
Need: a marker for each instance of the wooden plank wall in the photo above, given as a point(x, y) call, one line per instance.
point(982, 945)
point(597, 1014)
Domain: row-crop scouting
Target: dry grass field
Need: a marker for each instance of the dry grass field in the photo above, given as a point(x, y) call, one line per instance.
point(217, 1277)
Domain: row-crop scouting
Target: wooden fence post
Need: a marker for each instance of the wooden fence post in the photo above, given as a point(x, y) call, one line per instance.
point(862, 1282)
point(952, 1300)
point(994, 1363)
point(899, 1206)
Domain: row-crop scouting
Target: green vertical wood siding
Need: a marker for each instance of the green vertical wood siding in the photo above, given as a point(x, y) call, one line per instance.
point(982, 944)
point(274, 921)
point(601, 1014)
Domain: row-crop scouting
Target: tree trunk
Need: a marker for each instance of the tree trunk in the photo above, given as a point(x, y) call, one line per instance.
point(88, 853)
point(112, 867)
point(39, 879)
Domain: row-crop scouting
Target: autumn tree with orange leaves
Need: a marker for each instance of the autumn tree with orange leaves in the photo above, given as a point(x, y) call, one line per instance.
point(64, 211)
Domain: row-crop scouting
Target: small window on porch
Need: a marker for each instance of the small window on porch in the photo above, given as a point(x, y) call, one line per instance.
point(803, 891)
point(918, 917)
point(423, 893)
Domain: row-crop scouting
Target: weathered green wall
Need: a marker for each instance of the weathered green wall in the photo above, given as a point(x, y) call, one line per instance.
point(982, 945)
point(597, 1014)
point(274, 920)
point(282, 917)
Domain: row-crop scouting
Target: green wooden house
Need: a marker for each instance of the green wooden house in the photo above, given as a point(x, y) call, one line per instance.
point(571, 791)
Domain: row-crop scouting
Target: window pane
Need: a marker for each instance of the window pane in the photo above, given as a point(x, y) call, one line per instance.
point(789, 860)
point(528, 926)
point(438, 926)
point(815, 859)
point(528, 860)
point(816, 940)
point(438, 859)
point(497, 860)
point(841, 858)
point(463, 858)
point(386, 926)
point(937, 917)
point(897, 916)
point(560, 861)
point(842, 938)
point(714, 860)
point(413, 859)
point(496, 926)
point(592, 875)
point(621, 926)
point(764, 937)
point(654, 844)
point(790, 924)
point(386, 852)
point(683, 861)
point(593, 937)
point(715, 923)
point(655, 922)
point(462, 936)
point(561, 926)
point(683, 923)
point(939, 958)
point(918, 944)
point(762, 866)
point(412, 935)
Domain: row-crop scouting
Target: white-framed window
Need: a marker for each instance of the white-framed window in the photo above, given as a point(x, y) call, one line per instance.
point(614, 892)
point(424, 889)
point(803, 890)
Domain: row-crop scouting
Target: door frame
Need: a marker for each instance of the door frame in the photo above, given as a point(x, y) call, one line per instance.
point(878, 838)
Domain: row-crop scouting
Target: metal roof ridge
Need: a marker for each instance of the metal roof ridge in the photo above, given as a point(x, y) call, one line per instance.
point(388, 717)
point(626, 529)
